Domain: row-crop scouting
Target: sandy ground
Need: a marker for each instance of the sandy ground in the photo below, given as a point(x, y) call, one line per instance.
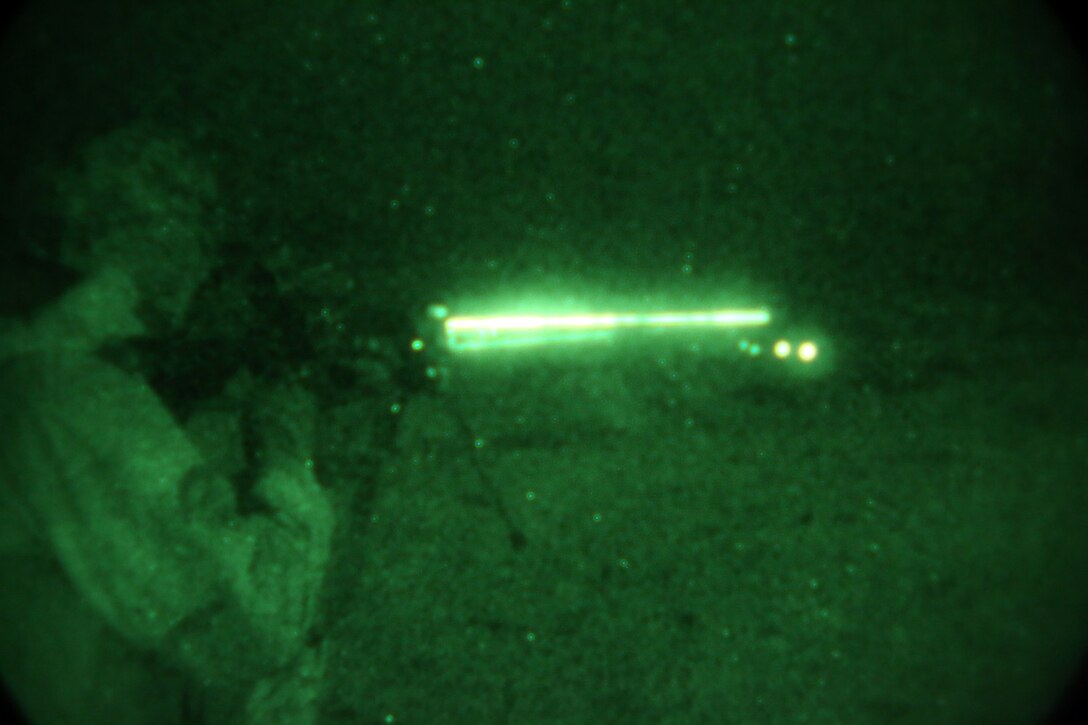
point(820, 553)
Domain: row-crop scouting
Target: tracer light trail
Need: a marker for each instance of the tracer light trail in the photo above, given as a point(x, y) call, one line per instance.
point(486, 331)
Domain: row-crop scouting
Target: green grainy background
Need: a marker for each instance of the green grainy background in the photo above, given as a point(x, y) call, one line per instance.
point(903, 539)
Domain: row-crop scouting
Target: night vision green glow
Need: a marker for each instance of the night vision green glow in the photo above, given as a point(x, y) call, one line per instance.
point(484, 331)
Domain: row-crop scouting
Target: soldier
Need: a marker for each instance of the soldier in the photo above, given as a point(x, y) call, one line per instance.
point(131, 518)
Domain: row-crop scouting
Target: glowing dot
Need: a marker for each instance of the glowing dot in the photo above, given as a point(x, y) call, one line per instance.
point(530, 637)
point(417, 344)
point(530, 495)
point(394, 408)
point(438, 312)
point(479, 443)
point(755, 349)
point(431, 372)
point(782, 349)
point(743, 344)
point(596, 518)
point(686, 269)
point(790, 39)
point(389, 718)
point(514, 143)
point(806, 351)
point(478, 62)
point(428, 210)
point(394, 204)
point(624, 564)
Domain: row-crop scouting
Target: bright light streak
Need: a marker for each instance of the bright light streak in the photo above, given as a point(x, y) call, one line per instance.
point(476, 332)
point(527, 340)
